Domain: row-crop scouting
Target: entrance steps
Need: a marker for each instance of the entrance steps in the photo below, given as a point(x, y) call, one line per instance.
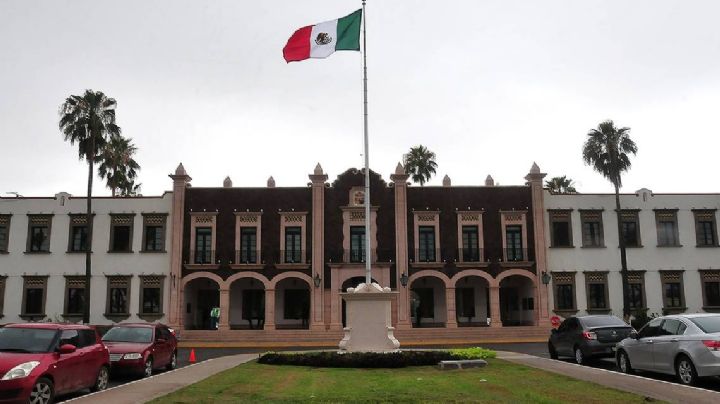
point(408, 337)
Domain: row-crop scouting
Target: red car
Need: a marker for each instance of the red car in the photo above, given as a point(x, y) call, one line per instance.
point(40, 360)
point(141, 348)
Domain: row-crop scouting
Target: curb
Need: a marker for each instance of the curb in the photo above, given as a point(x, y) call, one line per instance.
point(325, 344)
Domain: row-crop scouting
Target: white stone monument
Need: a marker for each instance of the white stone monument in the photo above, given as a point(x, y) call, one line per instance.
point(369, 327)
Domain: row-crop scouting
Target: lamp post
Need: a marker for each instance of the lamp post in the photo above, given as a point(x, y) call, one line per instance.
point(317, 280)
point(546, 278)
point(404, 279)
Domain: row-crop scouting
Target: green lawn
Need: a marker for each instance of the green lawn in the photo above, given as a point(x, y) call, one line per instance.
point(500, 381)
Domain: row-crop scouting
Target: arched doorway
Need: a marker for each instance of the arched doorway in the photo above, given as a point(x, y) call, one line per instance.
point(292, 303)
point(517, 301)
point(427, 302)
point(472, 301)
point(350, 283)
point(201, 295)
point(247, 304)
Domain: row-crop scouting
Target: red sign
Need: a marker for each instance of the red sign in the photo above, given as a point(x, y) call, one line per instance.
point(555, 321)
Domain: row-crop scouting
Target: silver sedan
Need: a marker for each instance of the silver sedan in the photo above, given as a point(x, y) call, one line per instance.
point(686, 345)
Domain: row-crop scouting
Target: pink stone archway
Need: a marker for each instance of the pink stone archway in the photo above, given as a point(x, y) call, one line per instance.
point(198, 275)
point(492, 282)
point(539, 301)
point(450, 321)
point(253, 275)
point(315, 301)
point(515, 271)
point(224, 315)
point(436, 274)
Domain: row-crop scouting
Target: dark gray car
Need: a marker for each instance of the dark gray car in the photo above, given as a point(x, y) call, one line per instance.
point(686, 345)
point(586, 337)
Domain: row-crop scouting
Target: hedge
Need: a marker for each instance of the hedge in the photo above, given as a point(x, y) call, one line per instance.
point(397, 359)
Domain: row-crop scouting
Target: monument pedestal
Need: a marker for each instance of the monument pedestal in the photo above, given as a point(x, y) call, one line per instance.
point(368, 314)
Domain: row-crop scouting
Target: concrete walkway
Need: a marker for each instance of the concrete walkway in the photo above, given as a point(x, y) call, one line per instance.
point(144, 390)
point(643, 386)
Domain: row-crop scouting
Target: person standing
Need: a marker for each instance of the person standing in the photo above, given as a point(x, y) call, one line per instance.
point(214, 318)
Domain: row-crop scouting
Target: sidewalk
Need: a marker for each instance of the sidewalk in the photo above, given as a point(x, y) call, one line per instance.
point(657, 389)
point(144, 390)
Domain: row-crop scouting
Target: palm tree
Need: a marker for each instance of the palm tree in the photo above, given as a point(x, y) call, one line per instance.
point(89, 121)
point(607, 150)
point(420, 164)
point(561, 185)
point(118, 166)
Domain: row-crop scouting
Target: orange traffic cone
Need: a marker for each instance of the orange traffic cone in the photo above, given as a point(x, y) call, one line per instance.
point(192, 356)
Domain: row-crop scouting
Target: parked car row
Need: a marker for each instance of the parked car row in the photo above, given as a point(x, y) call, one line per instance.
point(686, 345)
point(41, 360)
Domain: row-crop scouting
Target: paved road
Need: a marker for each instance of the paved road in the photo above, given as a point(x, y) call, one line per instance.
point(537, 349)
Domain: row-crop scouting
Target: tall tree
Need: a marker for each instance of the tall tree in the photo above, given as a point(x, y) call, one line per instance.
point(118, 167)
point(420, 164)
point(608, 149)
point(561, 185)
point(89, 121)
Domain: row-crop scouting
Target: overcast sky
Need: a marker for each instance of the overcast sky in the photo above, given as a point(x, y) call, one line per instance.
point(490, 86)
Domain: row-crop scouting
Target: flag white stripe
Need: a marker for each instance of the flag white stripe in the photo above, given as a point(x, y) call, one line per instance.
point(322, 50)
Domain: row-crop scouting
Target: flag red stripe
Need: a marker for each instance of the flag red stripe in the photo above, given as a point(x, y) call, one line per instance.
point(298, 46)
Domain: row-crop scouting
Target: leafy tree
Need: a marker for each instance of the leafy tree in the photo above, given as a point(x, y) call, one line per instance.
point(118, 166)
point(89, 121)
point(607, 150)
point(420, 164)
point(561, 185)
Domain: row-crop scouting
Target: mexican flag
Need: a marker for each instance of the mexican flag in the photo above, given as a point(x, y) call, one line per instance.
point(323, 39)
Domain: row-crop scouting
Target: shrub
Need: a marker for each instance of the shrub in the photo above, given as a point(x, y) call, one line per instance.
point(398, 359)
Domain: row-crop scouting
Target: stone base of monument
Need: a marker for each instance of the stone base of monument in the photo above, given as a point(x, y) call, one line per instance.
point(369, 327)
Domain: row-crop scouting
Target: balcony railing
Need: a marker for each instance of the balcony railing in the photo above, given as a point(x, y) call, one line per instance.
point(516, 254)
point(471, 255)
point(247, 257)
point(202, 257)
point(427, 255)
point(358, 256)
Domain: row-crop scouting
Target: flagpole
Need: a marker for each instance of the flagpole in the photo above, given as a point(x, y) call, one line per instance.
point(368, 252)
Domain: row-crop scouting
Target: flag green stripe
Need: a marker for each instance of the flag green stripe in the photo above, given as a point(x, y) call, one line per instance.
point(348, 32)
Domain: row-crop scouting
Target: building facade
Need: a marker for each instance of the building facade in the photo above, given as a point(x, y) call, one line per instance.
point(42, 258)
point(672, 252)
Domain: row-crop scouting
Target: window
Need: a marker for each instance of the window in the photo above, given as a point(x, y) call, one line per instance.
point(154, 232)
point(711, 288)
point(151, 295)
point(3, 279)
point(592, 228)
point(203, 245)
point(630, 228)
point(248, 245)
point(564, 288)
point(293, 244)
point(118, 295)
point(470, 244)
point(34, 297)
point(357, 244)
point(426, 244)
point(78, 240)
point(560, 228)
point(672, 287)
point(39, 233)
point(667, 230)
point(636, 285)
point(671, 327)
point(4, 233)
point(513, 241)
point(651, 329)
point(121, 230)
point(705, 228)
point(74, 296)
point(596, 283)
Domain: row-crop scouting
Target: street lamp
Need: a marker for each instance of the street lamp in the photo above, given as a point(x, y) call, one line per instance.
point(317, 280)
point(545, 278)
point(404, 279)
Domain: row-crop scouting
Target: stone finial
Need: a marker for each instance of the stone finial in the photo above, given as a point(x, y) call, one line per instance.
point(446, 181)
point(227, 183)
point(180, 170)
point(489, 181)
point(534, 169)
point(318, 170)
point(271, 182)
point(399, 170)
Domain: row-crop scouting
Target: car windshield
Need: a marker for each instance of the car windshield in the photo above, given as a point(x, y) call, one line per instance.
point(602, 321)
point(27, 340)
point(129, 334)
point(708, 324)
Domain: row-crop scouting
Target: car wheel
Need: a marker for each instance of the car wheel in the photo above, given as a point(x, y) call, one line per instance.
point(685, 371)
point(101, 383)
point(552, 351)
point(623, 363)
point(148, 371)
point(173, 361)
point(579, 356)
point(43, 392)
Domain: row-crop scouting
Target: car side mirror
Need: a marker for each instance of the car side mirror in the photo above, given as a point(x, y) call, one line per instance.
point(634, 334)
point(553, 331)
point(67, 349)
